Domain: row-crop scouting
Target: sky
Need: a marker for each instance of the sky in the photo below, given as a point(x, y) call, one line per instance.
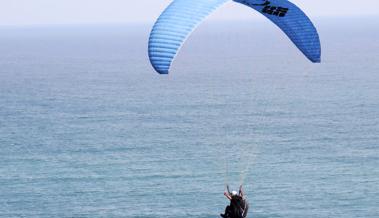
point(55, 12)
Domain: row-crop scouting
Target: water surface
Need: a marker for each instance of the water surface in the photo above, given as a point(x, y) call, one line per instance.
point(87, 129)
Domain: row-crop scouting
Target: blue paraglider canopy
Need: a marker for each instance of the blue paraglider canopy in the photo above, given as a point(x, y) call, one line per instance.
point(181, 18)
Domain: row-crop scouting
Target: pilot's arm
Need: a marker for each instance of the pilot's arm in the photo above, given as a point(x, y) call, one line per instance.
point(241, 191)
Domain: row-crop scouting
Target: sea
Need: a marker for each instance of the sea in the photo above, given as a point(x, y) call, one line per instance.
point(88, 129)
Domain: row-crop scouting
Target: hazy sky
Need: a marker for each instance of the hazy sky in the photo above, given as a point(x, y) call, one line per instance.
point(42, 12)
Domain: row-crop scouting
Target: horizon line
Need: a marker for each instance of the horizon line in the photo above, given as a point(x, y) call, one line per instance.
point(145, 22)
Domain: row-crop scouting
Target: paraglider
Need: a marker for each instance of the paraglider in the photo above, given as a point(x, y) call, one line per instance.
point(182, 17)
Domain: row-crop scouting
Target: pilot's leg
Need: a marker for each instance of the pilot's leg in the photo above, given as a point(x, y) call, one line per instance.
point(227, 212)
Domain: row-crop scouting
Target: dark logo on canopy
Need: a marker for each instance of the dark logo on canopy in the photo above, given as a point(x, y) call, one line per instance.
point(269, 9)
point(276, 11)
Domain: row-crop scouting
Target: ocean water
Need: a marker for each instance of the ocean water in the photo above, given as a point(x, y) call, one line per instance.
point(87, 129)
